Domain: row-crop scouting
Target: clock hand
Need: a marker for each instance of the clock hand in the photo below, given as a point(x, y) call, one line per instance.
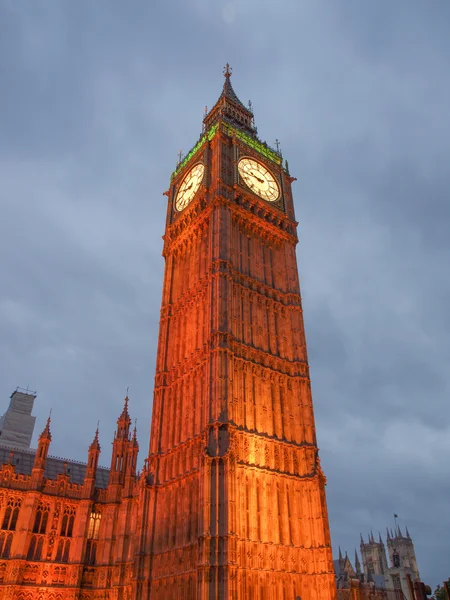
point(256, 177)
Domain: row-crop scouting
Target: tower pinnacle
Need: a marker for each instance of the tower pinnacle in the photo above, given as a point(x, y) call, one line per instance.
point(46, 434)
point(230, 109)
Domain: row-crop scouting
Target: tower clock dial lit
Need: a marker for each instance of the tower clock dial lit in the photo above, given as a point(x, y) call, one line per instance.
point(259, 179)
point(189, 186)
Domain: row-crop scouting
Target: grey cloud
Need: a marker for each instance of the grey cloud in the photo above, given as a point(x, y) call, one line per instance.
point(96, 101)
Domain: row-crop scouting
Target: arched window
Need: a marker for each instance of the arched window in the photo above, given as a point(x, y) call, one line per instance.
point(60, 550)
point(64, 525)
point(14, 517)
point(62, 554)
point(35, 548)
point(38, 552)
point(91, 551)
point(40, 522)
point(31, 548)
point(7, 518)
point(65, 557)
point(68, 521)
point(5, 544)
point(94, 525)
point(11, 514)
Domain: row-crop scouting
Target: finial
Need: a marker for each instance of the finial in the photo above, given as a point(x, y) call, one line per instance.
point(340, 553)
point(250, 106)
point(180, 156)
point(227, 70)
point(46, 433)
point(362, 539)
point(277, 144)
point(407, 533)
point(388, 534)
point(379, 538)
point(95, 443)
point(287, 167)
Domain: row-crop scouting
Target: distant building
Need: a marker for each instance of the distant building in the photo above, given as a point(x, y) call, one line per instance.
point(382, 572)
point(17, 424)
point(402, 559)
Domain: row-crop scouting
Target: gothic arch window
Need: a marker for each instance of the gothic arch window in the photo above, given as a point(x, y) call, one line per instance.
point(11, 514)
point(94, 525)
point(41, 520)
point(67, 521)
point(35, 548)
point(62, 554)
point(5, 544)
point(91, 552)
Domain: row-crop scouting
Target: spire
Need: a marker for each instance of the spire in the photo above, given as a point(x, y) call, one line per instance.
point(123, 422)
point(134, 441)
point(91, 467)
point(357, 564)
point(388, 534)
point(399, 532)
point(407, 534)
point(340, 553)
point(380, 541)
point(362, 539)
point(95, 443)
point(371, 539)
point(229, 108)
point(46, 434)
point(125, 414)
point(228, 92)
point(41, 454)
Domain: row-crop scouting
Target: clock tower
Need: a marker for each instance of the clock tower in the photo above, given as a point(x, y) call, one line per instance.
point(233, 493)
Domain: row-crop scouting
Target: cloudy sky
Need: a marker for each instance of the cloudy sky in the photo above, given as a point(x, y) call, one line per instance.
point(96, 100)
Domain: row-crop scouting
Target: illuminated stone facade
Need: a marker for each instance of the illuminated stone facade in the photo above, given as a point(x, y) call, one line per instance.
point(67, 528)
point(231, 501)
point(237, 504)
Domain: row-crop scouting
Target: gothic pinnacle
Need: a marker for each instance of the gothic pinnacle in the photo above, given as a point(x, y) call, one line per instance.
point(46, 433)
point(95, 443)
point(125, 415)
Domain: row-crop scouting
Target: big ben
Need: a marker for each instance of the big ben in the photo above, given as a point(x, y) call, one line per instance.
point(235, 503)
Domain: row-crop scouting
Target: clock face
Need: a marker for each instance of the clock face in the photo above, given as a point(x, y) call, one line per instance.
point(189, 186)
point(259, 179)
